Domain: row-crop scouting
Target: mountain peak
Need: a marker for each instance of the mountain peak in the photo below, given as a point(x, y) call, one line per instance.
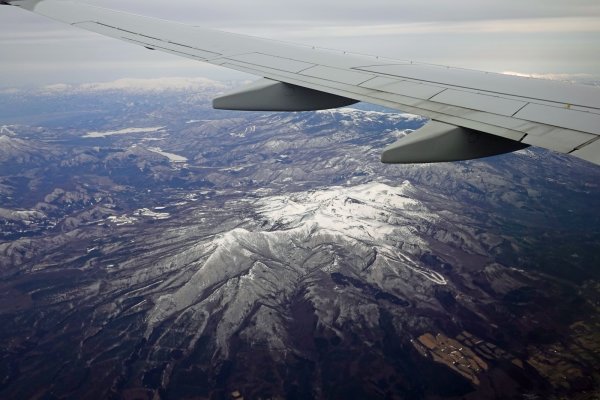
point(367, 212)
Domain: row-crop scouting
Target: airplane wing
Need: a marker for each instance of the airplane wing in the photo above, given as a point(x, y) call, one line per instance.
point(473, 114)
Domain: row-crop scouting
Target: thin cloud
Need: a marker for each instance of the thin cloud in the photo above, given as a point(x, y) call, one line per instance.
point(381, 11)
point(546, 25)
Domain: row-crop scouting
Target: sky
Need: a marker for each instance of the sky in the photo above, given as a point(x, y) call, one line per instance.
point(546, 38)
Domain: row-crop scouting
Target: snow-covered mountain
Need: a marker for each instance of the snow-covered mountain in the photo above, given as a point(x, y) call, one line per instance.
point(346, 231)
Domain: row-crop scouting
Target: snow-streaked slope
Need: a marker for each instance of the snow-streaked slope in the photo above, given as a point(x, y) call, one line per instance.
point(312, 236)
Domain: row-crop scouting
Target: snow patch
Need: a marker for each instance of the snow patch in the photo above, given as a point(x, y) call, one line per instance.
point(5, 130)
point(146, 212)
point(21, 215)
point(174, 158)
point(247, 130)
point(123, 132)
point(122, 220)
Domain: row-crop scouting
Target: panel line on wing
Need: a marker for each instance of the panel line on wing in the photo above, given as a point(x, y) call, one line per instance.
point(519, 110)
point(493, 83)
point(561, 117)
point(125, 30)
point(403, 87)
point(590, 152)
point(338, 75)
point(480, 102)
point(270, 61)
point(162, 48)
point(206, 53)
point(585, 144)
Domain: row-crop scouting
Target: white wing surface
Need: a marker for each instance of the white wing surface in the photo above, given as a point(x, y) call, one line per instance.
point(473, 113)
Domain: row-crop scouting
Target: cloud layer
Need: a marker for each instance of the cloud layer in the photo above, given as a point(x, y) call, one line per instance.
point(533, 37)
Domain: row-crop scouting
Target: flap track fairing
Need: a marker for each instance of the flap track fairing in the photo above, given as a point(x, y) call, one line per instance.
point(439, 142)
point(270, 95)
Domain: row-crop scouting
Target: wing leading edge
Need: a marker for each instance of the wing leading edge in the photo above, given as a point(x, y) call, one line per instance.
point(506, 112)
